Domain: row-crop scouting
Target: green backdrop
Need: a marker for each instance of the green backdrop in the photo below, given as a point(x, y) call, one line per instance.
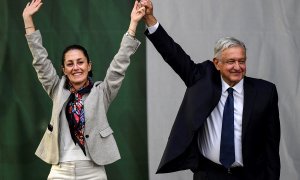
point(25, 108)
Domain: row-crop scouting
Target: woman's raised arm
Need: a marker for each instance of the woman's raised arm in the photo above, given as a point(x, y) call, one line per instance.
point(30, 9)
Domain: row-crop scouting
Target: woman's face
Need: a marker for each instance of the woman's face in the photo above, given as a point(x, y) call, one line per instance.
point(76, 67)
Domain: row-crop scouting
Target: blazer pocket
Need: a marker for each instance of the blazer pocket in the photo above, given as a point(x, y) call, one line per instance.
point(106, 132)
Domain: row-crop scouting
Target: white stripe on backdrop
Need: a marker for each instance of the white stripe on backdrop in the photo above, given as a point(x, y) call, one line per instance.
point(271, 31)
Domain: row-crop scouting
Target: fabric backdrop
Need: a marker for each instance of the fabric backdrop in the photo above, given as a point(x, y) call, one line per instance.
point(270, 29)
point(271, 32)
point(25, 107)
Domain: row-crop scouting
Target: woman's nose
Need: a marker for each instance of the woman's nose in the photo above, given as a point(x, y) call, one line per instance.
point(75, 66)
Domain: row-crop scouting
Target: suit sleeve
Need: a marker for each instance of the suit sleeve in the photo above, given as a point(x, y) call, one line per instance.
point(175, 56)
point(273, 139)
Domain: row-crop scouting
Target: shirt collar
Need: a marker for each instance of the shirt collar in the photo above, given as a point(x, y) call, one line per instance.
point(239, 87)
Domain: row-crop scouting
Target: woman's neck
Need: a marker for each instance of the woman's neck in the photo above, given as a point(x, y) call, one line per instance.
point(76, 87)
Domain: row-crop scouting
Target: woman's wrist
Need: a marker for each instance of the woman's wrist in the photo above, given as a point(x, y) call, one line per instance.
point(29, 27)
point(131, 32)
point(28, 22)
point(132, 28)
point(27, 17)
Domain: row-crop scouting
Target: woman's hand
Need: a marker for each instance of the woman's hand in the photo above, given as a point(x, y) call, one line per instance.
point(136, 15)
point(137, 12)
point(31, 8)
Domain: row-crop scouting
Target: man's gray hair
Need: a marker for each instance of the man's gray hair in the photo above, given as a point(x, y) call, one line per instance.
point(225, 43)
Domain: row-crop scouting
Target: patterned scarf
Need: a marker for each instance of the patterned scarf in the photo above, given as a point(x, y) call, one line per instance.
point(75, 112)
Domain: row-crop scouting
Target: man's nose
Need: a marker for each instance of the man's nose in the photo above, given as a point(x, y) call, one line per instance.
point(237, 65)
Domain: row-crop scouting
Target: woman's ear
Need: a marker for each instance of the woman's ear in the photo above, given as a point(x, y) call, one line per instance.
point(90, 65)
point(63, 70)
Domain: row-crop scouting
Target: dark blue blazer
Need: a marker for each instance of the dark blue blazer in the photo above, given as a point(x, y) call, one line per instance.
point(260, 126)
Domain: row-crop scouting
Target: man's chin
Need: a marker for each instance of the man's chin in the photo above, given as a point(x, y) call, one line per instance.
point(237, 79)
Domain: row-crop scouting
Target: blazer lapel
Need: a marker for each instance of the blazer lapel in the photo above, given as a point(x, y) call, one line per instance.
point(249, 99)
point(65, 93)
point(62, 97)
point(89, 103)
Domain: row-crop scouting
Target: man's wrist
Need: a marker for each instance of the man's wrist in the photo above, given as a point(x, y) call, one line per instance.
point(150, 20)
point(153, 28)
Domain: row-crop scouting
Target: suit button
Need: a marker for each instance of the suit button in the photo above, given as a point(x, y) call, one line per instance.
point(87, 136)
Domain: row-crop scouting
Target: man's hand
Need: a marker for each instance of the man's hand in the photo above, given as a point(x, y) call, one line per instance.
point(149, 7)
point(149, 18)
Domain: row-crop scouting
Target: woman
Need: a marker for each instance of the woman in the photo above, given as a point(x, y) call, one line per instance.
point(78, 141)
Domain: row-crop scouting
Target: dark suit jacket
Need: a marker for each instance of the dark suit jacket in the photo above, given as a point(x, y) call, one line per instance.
point(260, 126)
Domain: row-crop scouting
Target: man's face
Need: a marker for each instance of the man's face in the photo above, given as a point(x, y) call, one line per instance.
point(232, 65)
point(76, 67)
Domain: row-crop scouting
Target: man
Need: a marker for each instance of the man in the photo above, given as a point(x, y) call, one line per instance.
point(228, 124)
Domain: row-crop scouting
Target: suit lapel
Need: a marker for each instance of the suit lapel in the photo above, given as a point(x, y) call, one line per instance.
point(249, 99)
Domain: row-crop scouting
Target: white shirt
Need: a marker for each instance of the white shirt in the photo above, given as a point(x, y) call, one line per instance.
point(210, 136)
point(153, 28)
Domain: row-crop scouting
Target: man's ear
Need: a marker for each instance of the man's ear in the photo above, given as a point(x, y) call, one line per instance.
point(216, 63)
